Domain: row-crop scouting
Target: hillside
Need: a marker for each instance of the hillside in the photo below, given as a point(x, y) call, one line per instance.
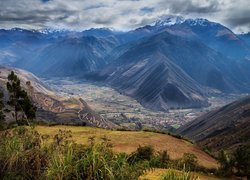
point(52, 107)
point(68, 57)
point(160, 75)
point(212, 34)
point(201, 63)
point(128, 141)
point(245, 37)
point(156, 83)
point(225, 128)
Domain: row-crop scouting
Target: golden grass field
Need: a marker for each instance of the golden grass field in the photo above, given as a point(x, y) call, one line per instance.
point(156, 174)
point(128, 141)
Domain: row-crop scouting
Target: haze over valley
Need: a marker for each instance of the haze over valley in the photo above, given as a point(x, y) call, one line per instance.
point(126, 111)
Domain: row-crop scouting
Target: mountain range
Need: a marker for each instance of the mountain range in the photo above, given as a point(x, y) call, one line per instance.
point(175, 62)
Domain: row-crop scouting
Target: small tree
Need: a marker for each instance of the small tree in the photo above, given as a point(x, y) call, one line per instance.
point(189, 161)
point(19, 99)
point(242, 160)
point(226, 163)
point(143, 153)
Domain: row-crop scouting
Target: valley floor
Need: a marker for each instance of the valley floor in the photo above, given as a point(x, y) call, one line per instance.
point(126, 111)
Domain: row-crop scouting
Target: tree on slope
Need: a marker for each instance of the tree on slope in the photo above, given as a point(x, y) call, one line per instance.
point(19, 100)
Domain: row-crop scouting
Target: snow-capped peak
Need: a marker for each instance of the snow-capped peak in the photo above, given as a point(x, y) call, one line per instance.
point(169, 20)
point(52, 30)
point(199, 22)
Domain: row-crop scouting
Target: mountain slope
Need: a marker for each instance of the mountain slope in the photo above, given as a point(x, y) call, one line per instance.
point(152, 77)
point(51, 106)
point(160, 74)
point(213, 35)
point(224, 128)
point(17, 43)
point(157, 83)
point(203, 64)
point(217, 37)
point(69, 57)
point(245, 37)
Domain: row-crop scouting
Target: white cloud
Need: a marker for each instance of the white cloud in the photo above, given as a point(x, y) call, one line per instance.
point(119, 14)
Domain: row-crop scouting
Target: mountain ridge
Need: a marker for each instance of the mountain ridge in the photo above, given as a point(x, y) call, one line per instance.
point(224, 128)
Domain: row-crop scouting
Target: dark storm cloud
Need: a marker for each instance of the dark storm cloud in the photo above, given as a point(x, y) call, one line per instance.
point(237, 21)
point(192, 7)
point(37, 15)
point(238, 17)
point(120, 14)
point(104, 20)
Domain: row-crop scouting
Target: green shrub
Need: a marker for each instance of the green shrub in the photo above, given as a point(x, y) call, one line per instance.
point(161, 160)
point(188, 162)
point(226, 164)
point(143, 153)
point(21, 153)
point(242, 160)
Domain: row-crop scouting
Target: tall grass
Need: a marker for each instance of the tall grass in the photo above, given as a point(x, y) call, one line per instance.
point(25, 154)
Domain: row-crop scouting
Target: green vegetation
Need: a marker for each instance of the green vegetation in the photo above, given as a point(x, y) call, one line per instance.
point(237, 163)
point(26, 154)
point(19, 100)
point(189, 162)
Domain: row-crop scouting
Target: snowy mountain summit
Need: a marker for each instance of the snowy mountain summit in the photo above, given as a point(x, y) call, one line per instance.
point(170, 20)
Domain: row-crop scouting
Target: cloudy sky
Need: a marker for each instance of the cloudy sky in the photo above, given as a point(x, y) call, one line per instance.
point(118, 14)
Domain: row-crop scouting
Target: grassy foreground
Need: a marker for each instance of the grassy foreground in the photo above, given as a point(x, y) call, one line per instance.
point(158, 174)
point(128, 141)
point(69, 152)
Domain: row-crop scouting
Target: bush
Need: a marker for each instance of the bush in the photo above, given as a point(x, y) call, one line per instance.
point(161, 160)
point(188, 162)
point(238, 162)
point(143, 153)
point(226, 164)
point(242, 160)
